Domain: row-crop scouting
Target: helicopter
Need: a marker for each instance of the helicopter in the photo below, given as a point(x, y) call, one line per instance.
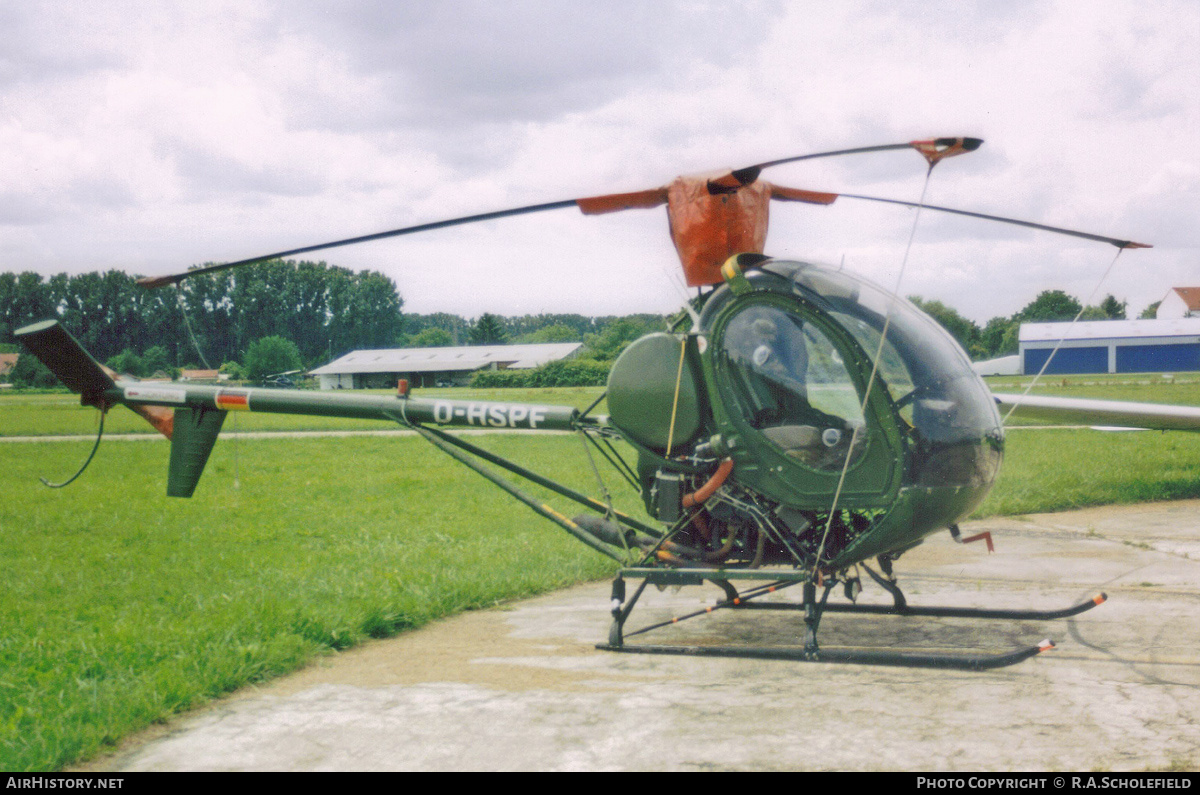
point(795, 425)
point(284, 380)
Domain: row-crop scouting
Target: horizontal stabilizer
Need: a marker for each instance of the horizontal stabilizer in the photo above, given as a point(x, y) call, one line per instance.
point(66, 358)
point(195, 433)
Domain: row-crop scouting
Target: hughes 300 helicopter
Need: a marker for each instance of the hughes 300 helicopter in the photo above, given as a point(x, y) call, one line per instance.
point(795, 423)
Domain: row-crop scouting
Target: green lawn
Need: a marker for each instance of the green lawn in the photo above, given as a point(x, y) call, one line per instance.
point(1059, 470)
point(121, 607)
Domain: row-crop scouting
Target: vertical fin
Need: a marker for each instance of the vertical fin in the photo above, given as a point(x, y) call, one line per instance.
point(195, 434)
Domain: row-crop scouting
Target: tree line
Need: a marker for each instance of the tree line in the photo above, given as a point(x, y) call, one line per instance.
point(999, 336)
point(213, 318)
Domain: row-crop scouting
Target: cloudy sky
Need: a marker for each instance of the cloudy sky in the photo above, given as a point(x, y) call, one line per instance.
point(153, 136)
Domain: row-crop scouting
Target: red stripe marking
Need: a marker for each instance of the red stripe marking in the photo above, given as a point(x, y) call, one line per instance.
point(232, 400)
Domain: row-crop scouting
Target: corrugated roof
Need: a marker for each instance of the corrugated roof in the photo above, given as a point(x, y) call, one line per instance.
point(1111, 329)
point(428, 360)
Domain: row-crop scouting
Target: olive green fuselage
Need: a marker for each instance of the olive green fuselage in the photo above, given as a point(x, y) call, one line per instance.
point(925, 439)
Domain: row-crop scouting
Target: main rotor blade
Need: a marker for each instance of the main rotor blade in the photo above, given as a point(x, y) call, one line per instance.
point(1030, 224)
point(933, 150)
point(162, 281)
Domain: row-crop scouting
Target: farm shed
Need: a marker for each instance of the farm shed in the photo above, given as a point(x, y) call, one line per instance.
point(379, 369)
point(1112, 346)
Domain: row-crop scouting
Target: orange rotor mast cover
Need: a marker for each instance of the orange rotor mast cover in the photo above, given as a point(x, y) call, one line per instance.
point(708, 228)
point(711, 217)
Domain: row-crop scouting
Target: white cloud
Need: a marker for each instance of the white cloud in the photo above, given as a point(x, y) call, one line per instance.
point(153, 136)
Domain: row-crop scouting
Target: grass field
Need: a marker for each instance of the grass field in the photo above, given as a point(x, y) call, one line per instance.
point(121, 607)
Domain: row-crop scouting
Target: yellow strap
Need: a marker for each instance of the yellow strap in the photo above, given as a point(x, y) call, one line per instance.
point(675, 402)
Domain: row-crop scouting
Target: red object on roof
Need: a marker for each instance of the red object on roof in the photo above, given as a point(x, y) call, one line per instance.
point(1190, 296)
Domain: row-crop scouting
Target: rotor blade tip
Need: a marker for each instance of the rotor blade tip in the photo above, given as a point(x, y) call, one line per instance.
point(937, 149)
point(963, 144)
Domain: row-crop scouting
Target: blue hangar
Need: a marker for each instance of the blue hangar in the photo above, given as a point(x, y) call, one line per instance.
point(1112, 346)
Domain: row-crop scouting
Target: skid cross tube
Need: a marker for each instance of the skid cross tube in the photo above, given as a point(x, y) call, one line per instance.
point(733, 599)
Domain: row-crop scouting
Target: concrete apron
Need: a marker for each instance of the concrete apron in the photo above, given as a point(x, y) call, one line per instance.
point(523, 688)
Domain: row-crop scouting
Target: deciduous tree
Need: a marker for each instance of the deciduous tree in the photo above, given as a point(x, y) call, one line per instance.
point(271, 355)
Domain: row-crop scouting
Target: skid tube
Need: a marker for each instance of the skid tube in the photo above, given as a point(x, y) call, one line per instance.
point(813, 608)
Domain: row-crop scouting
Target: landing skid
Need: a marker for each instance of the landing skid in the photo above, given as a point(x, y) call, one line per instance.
point(813, 609)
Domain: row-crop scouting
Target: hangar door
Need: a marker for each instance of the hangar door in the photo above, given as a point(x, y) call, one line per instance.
point(1092, 359)
point(1156, 358)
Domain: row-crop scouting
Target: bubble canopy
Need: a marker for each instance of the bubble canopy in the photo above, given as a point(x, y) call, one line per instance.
point(797, 390)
